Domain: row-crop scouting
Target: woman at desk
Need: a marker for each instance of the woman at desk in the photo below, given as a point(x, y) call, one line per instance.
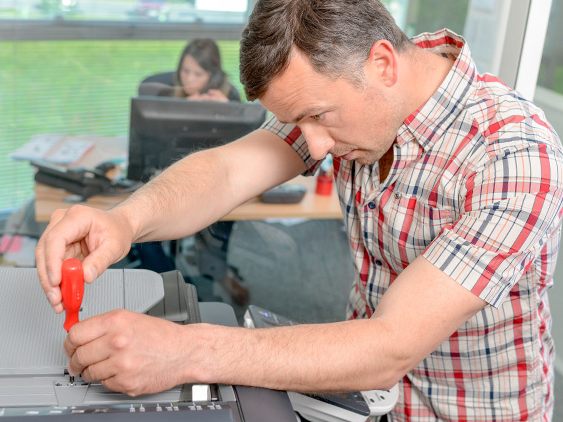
point(199, 76)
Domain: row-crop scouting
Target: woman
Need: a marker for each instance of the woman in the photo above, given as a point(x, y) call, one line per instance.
point(199, 75)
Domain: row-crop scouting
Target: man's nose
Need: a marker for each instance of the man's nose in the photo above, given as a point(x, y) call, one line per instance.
point(318, 141)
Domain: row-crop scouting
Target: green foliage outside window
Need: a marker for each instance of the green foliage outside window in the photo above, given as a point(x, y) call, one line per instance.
point(75, 88)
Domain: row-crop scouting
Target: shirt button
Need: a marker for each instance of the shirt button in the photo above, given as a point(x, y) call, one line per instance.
point(378, 263)
point(371, 205)
point(397, 195)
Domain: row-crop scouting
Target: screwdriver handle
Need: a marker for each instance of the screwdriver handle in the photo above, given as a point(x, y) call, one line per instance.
point(72, 290)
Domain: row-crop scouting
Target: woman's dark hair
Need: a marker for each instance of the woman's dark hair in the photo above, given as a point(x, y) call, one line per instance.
point(336, 36)
point(206, 53)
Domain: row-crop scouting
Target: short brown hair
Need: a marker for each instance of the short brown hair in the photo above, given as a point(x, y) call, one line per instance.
point(336, 36)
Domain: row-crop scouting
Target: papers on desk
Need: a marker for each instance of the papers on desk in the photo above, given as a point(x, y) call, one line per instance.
point(37, 148)
point(57, 149)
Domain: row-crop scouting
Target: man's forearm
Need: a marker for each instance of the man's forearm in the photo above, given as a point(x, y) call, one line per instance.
point(409, 323)
point(205, 186)
point(180, 201)
point(345, 356)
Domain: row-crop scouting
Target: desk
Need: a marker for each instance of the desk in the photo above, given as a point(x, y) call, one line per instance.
point(48, 199)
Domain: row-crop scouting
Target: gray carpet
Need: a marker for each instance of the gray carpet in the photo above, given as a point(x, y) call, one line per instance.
point(303, 271)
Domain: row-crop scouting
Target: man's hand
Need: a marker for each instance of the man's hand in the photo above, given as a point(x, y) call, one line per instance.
point(99, 238)
point(128, 352)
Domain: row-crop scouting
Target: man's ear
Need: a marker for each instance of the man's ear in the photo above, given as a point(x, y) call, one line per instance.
point(382, 62)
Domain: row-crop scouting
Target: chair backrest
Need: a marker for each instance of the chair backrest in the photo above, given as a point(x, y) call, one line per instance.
point(162, 85)
point(166, 78)
point(159, 84)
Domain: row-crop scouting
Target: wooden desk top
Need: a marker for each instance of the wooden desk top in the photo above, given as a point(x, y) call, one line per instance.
point(48, 199)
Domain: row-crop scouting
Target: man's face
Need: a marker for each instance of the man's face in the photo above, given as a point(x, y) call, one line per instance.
point(335, 116)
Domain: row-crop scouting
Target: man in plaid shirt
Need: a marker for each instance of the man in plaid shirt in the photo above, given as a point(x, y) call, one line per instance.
point(451, 186)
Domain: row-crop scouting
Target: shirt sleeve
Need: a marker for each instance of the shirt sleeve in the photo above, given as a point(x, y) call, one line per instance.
point(513, 208)
point(292, 135)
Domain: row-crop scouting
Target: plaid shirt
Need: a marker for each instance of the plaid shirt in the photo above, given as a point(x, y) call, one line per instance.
point(476, 187)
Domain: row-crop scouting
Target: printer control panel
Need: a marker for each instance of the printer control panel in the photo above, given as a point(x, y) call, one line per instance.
point(137, 407)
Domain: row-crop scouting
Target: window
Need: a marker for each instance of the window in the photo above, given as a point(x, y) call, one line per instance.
point(203, 11)
point(71, 66)
point(483, 23)
point(549, 91)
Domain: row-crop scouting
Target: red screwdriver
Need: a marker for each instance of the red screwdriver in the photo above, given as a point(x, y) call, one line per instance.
point(72, 290)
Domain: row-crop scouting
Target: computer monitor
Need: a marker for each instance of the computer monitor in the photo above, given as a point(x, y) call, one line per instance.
point(163, 130)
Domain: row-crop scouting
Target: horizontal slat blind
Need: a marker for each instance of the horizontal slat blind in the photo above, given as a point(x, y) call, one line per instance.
point(74, 88)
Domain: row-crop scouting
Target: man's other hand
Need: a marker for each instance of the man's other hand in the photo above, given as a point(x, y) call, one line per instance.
point(128, 352)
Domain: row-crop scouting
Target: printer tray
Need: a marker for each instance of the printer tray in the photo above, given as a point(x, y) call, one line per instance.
point(33, 382)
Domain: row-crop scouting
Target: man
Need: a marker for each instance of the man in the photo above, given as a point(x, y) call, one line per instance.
point(451, 186)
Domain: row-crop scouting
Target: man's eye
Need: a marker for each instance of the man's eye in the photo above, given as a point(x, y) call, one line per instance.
point(316, 117)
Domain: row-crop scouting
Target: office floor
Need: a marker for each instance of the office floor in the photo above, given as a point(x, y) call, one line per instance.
point(304, 272)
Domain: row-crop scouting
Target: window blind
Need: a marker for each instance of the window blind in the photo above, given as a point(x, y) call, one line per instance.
point(80, 87)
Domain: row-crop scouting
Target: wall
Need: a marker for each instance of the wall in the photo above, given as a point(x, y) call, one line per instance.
point(556, 302)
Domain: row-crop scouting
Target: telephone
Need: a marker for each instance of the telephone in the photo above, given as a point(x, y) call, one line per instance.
point(85, 182)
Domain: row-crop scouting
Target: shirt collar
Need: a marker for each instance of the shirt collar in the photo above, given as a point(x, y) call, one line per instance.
point(432, 119)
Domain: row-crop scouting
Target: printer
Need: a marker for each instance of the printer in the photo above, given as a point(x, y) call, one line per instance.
point(34, 382)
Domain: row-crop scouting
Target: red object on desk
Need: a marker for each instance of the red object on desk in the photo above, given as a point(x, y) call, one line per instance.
point(324, 184)
point(72, 290)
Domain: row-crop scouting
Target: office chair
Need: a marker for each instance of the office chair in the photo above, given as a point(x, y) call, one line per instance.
point(162, 85)
point(165, 78)
point(159, 84)
point(152, 255)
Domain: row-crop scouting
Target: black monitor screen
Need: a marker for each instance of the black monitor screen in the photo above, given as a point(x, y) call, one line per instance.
point(163, 130)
